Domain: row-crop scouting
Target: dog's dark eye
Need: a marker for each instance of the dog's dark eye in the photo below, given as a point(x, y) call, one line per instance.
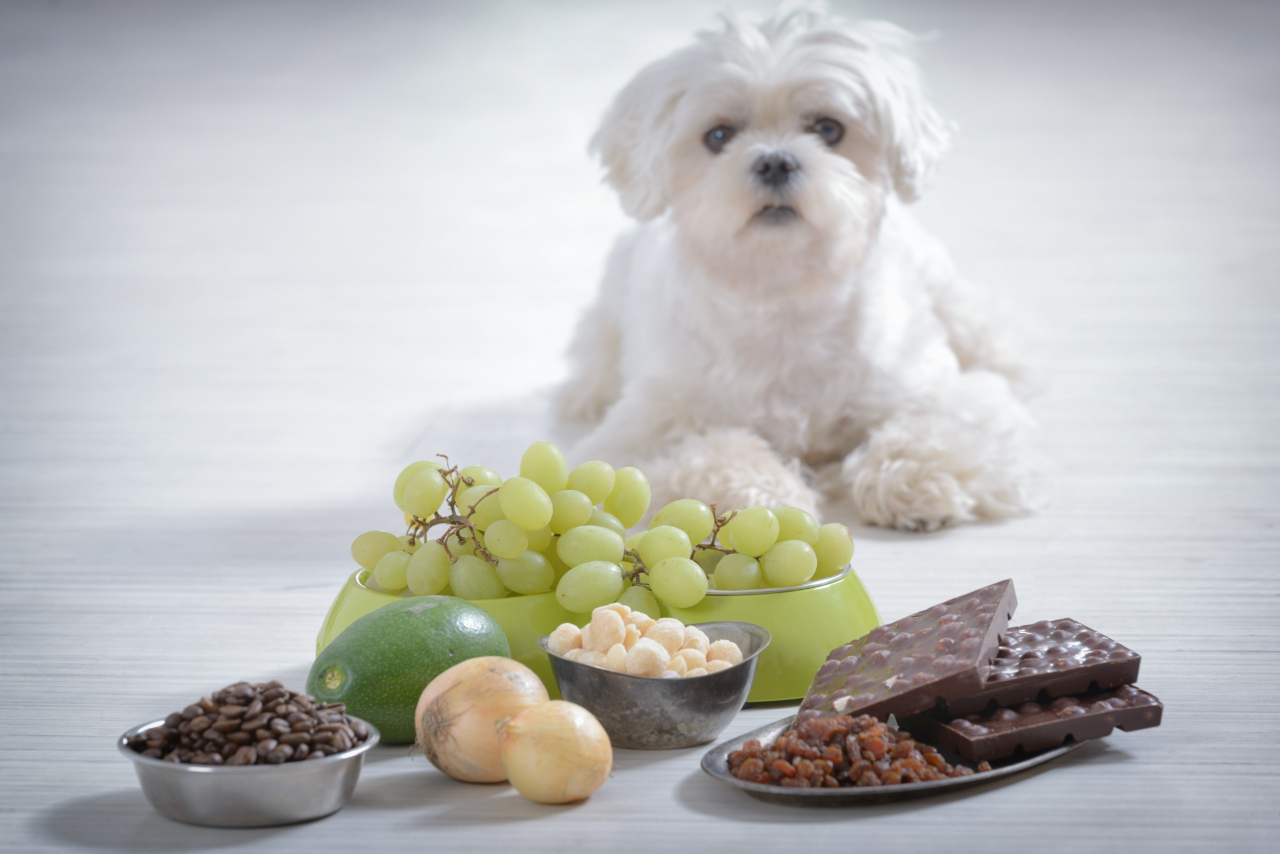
point(830, 130)
point(718, 137)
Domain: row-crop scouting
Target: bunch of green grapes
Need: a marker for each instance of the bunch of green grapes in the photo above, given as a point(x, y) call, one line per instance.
point(521, 535)
point(552, 528)
point(688, 550)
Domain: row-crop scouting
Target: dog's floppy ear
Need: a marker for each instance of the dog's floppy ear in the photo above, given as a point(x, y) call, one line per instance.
point(634, 135)
point(913, 135)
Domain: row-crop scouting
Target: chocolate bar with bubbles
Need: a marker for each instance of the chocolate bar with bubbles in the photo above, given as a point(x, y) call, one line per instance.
point(1058, 657)
point(1033, 727)
point(904, 667)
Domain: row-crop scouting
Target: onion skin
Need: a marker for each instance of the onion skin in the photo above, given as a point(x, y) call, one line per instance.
point(555, 753)
point(458, 714)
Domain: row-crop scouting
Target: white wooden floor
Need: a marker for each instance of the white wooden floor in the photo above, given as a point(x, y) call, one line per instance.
point(230, 235)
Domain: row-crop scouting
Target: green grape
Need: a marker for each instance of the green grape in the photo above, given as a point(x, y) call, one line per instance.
point(405, 545)
point(539, 539)
point(711, 583)
point(708, 559)
point(629, 498)
point(369, 547)
point(488, 503)
point(678, 581)
point(527, 573)
point(689, 515)
point(473, 578)
point(796, 524)
point(589, 585)
point(543, 464)
point(397, 491)
point(390, 571)
point(723, 537)
point(424, 492)
point(738, 572)
point(428, 570)
point(593, 479)
point(505, 539)
point(788, 563)
point(590, 543)
point(552, 554)
point(642, 600)
point(601, 519)
point(834, 549)
point(525, 503)
point(481, 475)
point(754, 531)
point(569, 509)
point(663, 542)
point(633, 540)
point(463, 542)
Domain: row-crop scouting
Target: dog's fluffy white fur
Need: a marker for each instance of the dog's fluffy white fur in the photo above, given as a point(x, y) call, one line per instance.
point(760, 342)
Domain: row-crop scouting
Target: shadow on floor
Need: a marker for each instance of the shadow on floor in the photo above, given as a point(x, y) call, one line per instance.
point(124, 821)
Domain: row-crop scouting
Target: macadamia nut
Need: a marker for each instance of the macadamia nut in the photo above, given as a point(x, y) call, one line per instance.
point(669, 633)
point(696, 643)
point(590, 656)
point(616, 658)
point(691, 657)
point(641, 621)
point(724, 650)
point(633, 635)
point(567, 636)
point(607, 629)
point(718, 665)
point(647, 658)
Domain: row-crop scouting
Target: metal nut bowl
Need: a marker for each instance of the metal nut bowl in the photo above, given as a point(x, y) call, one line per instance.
point(248, 795)
point(645, 713)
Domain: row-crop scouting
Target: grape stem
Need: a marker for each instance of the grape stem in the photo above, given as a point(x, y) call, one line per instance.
point(633, 555)
point(457, 522)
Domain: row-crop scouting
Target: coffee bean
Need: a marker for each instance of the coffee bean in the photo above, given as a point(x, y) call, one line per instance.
point(246, 724)
point(244, 756)
point(254, 723)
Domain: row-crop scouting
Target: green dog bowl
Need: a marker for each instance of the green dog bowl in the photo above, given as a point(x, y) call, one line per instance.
point(806, 622)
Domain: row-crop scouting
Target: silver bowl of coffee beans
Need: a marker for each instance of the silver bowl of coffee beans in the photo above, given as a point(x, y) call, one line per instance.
point(250, 756)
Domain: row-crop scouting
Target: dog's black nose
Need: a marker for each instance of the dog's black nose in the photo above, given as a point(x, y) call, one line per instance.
point(775, 168)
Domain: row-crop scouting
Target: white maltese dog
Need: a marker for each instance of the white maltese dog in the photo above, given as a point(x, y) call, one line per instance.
point(779, 326)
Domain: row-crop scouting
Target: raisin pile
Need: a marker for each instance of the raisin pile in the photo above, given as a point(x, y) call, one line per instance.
point(843, 751)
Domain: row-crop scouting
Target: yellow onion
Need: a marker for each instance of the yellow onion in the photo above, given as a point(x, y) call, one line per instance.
point(555, 753)
point(458, 714)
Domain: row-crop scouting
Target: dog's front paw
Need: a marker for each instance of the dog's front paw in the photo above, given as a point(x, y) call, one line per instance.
point(734, 468)
point(919, 492)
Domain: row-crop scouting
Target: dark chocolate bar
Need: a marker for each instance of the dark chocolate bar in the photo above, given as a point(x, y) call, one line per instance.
point(1058, 657)
point(904, 667)
point(1033, 727)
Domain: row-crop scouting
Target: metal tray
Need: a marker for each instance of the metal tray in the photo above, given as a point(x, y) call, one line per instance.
point(716, 763)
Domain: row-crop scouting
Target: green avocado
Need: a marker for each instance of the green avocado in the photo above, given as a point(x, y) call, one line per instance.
point(380, 663)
